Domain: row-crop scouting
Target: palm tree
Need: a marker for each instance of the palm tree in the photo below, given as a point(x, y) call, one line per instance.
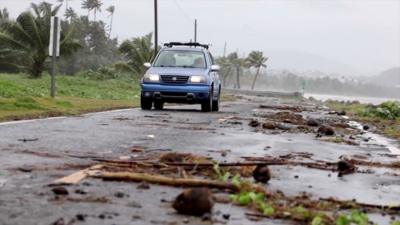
point(70, 14)
point(27, 38)
point(4, 15)
point(111, 10)
point(96, 7)
point(66, 3)
point(88, 5)
point(226, 68)
point(237, 63)
point(136, 51)
point(257, 60)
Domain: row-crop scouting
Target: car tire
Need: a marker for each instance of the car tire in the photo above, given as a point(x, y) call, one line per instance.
point(207, 105)
point(215, 103)
point(159, 105)
point(145, 103)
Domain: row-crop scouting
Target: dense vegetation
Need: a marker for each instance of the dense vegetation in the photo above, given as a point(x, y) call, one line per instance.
point(385, 116)
point(86, 43)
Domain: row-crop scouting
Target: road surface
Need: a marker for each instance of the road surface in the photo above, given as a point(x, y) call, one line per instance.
point(34, 153)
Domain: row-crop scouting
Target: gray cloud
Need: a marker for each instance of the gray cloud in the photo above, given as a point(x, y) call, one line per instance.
point(363, 34)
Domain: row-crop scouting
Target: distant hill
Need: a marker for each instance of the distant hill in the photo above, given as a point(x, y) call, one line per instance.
point(390, 78)
point(300, 62)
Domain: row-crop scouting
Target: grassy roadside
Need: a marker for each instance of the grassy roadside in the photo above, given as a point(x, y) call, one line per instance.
point(24, 98)
point(385, 117)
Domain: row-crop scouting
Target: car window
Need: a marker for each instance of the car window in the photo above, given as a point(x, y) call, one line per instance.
point(179, 58)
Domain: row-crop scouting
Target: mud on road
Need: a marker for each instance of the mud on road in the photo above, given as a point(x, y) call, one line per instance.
point(301, 141)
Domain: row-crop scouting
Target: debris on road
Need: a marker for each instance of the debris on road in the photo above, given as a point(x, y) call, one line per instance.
point(262, 174)
point(164, 180)
point(269, 125)
point(326, 130)
point(76, 177)
point(28, 139)
point(245, 181)
point(254, 123)
point(194, 201)
point(60, 190)
point(345, 167)
point(312, 122)
point(283, 107)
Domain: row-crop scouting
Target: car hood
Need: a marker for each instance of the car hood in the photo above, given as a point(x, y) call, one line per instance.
point(177, 71)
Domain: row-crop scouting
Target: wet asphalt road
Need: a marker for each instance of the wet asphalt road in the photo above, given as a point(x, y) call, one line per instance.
point(25, 198)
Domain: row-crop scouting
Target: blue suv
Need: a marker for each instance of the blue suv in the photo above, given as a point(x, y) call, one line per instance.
point(182, 73)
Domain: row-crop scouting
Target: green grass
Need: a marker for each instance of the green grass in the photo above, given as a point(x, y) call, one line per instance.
point(22, 97)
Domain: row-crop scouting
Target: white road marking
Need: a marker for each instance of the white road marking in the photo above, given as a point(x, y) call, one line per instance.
point(29, 121)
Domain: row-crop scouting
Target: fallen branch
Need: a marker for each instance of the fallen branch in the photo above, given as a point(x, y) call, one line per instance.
point(233, 164)
point(131, 161)
point(314, 165)
point(163, 180)
point(283, 107)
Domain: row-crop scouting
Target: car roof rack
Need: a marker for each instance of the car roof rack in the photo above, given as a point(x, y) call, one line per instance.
point(192, 44)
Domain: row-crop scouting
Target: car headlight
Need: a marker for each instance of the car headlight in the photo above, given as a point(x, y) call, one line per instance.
point(151, 77)
point(197, 79)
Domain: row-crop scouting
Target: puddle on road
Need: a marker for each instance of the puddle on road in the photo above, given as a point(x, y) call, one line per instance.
point(378, 140)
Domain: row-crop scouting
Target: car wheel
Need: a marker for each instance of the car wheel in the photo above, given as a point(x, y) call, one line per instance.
point(159, 105)
point(145, 103)
point(207, 106)
point(215, 104)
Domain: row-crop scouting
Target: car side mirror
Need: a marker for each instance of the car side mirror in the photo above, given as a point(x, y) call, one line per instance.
point(147, 65)
point(215, 68)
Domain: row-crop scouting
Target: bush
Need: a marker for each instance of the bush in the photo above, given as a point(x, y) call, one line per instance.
point(387, 110)
point(106, 73)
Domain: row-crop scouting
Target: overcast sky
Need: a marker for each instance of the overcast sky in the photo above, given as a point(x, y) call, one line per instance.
point(361, 34)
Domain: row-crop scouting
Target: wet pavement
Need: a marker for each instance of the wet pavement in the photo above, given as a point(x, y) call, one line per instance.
point(34, 153)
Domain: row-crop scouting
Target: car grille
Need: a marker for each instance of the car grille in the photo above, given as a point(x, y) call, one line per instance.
point(171, 79)
point(178, 94)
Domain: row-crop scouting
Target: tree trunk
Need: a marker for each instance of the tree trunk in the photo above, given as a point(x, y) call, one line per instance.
point(237, 77)
point(36, 68)
point(255, 78)
point(225, 77)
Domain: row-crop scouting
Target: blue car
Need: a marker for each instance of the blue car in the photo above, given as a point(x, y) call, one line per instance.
point(182, 73)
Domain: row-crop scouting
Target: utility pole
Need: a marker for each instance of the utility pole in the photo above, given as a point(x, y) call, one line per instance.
point(225, 49)
point(54, 51)
point(195, 30)
point(155, 27)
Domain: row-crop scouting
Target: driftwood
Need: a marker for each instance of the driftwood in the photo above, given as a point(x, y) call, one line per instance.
point(233, 164)
point(283, 107)
point(76, 177)
point(163, 180)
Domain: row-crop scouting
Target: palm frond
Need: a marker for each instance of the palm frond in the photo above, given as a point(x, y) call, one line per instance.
point(7, 41)
point(28, 23)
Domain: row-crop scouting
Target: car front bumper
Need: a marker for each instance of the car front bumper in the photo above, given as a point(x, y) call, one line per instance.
point(176, 93)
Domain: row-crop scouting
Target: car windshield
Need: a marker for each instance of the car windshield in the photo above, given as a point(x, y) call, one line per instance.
point(179, 58)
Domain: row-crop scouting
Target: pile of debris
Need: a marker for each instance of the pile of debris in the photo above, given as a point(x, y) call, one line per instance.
point(203, 177)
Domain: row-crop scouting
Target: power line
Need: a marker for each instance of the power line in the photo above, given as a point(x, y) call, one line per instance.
point(183, 11)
